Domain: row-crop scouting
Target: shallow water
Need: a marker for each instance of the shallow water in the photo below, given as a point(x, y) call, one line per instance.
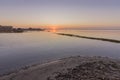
point(110, 34)
point(20, 49)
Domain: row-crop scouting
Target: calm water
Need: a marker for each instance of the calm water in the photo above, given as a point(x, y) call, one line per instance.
point(110, 34)
point(20, 49)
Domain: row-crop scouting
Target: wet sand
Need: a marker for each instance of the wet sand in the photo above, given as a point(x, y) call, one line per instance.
point(48, 70)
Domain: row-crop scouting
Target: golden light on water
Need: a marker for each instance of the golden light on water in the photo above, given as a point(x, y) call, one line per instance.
point(53, 29)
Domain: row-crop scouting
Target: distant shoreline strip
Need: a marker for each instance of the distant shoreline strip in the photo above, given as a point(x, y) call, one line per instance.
point(93, 38)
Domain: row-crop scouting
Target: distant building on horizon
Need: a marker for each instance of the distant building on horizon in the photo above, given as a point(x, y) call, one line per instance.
point(10, 29)
point(6, 28)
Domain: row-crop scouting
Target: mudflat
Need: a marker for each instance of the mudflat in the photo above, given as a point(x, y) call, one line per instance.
point(71, 68)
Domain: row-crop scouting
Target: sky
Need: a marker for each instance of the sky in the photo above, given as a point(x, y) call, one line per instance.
point(84, 14)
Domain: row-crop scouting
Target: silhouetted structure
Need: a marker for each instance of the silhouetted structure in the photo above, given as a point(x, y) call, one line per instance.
point(6, 28)
point(18, 30)
point(10, 29)
point(34, 29)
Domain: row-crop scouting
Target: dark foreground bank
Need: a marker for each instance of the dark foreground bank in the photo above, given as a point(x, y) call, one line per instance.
point(72, 68)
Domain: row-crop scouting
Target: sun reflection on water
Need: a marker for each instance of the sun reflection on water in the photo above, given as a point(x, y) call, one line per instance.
point(53, 29)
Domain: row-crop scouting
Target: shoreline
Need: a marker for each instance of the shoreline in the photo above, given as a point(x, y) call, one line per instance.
point(92, 38)
point(25, 67)
point(43, 71)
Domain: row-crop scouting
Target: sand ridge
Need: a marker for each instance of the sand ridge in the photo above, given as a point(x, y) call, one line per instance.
point(48, 71)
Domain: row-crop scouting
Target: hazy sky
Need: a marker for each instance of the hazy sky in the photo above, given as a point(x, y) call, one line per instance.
point(61, 13)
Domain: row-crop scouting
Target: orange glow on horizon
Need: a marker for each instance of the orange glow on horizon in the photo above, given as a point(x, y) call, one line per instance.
point(53, 29)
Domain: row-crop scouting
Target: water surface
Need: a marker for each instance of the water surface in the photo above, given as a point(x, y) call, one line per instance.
point(20, 49)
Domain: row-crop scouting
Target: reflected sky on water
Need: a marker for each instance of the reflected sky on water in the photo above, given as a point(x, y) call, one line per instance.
point(20, 49)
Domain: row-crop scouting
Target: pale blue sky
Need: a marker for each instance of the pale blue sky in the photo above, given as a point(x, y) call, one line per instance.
point(60, 13)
